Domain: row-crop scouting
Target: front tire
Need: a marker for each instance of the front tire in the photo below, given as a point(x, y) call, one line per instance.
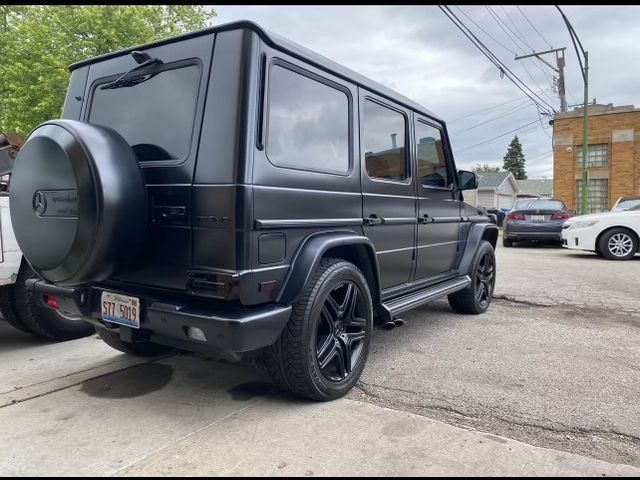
point(476, 298)
point(323, 349)
point(618, 244)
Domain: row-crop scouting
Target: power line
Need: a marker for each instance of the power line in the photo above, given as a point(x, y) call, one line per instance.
point(487, 33)
point(506, 114)
point(489, 108)
point(495, 60)
point(516, 27)
point(502, 24)
point(498, 137)
point(533, 26)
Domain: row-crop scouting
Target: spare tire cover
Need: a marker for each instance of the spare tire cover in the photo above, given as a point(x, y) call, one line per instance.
point(77, 201)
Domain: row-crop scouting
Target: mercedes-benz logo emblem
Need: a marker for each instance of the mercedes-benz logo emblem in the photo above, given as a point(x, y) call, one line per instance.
point(39, 202)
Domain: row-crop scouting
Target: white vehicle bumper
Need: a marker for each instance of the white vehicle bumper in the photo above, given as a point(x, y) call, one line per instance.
point(580, 238)
point(10, 254)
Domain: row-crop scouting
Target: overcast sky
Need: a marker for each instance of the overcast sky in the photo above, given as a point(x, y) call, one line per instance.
point(417, 51)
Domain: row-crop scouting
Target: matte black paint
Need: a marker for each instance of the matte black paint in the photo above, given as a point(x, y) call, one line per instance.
point(232, 238)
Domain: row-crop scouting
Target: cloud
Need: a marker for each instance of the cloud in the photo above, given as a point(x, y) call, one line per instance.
point(418, 52)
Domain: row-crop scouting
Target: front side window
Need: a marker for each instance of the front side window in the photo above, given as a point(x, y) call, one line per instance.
point(307, 123)
point(384, 146)
point(432, 166)
point(155, 116)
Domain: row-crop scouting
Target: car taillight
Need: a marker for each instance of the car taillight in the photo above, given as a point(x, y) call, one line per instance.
point(515, 216)
point(561, 216)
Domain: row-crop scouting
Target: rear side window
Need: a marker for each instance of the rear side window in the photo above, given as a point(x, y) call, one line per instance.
point(155, 116)
point(307, 123)
point(432, 166)
point(385, 151)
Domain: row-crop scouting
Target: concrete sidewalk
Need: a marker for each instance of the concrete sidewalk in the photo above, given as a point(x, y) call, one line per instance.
point(186, 415)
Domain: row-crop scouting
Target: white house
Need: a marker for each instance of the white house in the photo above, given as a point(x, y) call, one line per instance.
point(495, 190)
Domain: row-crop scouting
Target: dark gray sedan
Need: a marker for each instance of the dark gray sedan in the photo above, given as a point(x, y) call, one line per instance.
point(538, 219)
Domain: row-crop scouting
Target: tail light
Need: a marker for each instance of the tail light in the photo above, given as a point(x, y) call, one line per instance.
point(515, 216)
point(51, 301)
point(561, 216)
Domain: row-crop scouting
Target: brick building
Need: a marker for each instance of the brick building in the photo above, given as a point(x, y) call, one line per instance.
point(613, 159)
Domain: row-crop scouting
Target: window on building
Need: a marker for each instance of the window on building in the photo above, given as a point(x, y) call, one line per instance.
point(384, 142)
point(597, 156)
point(598, 200)
point(308, 123)
point(432, 167)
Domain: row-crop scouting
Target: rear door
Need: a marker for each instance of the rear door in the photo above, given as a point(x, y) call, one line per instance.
point(389, 205)
point(160, 118)
point(438, 206)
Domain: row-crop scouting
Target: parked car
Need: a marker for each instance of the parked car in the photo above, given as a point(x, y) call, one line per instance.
point(535, 219)
point(613, 235)
point(228, 189)
point(18, 305)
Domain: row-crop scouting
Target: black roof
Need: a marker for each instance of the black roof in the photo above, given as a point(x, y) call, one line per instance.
point(283, 44)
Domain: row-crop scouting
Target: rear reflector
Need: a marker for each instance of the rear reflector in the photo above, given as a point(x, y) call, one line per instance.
point(51, 301)
point(196, 334)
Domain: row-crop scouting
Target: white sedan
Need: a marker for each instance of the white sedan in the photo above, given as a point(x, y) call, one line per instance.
point(614, 235)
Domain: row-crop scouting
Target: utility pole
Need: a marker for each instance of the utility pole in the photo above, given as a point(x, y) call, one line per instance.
point(584, 204)
point(585, 140)
point(559, 70)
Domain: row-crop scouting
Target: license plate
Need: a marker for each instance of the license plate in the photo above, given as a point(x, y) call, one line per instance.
point(121, 309)
point(537, 218)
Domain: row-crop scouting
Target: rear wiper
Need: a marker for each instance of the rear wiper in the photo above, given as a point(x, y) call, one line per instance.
point(125, 80)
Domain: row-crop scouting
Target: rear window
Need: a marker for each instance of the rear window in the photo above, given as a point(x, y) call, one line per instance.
point(538, 204)
point(156, 116)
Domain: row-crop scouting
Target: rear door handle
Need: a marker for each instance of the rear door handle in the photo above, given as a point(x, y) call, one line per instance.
point(373, 219)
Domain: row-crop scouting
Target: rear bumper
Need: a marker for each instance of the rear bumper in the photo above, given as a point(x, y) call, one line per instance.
point(533, 231)
point(168, 321)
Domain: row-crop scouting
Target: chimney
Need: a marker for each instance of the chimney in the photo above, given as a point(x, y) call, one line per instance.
point(393, 140)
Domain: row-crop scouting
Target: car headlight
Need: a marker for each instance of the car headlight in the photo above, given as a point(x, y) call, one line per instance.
point(585, 224)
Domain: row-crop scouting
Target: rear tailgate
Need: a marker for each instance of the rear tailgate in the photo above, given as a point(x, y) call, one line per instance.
point(160, 118)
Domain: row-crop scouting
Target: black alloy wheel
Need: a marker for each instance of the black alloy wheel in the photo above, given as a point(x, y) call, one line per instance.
point(341, 331)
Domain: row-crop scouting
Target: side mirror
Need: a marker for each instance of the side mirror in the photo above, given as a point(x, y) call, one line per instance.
point(467, 180)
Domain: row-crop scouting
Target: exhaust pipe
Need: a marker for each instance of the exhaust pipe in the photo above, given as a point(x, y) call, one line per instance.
point(398, 322)
point(389, 325)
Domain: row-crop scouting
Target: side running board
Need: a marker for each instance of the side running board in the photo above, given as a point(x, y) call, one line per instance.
point(391, 308)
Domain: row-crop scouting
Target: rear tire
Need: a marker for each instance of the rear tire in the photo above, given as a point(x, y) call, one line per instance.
point(42, 321)
point(476, 298)
point(323, 349)
point(618, 244)
point(140, 349)
point(8, 308)
point(507, 242)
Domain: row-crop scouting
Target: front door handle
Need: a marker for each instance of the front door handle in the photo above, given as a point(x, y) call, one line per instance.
point(425, 219)
point(373, 219)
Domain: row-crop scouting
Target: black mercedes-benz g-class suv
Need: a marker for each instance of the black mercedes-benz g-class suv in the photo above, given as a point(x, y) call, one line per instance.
point(228, 189)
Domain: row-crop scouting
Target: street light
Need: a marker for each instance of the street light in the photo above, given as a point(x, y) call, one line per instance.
point(584, 200)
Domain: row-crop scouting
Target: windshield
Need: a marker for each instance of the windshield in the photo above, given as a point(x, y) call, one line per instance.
point(629, 204)
point(156, 116)
point(538, 204)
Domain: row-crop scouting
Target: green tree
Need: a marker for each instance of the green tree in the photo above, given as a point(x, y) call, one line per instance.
point(486, 168)
point(38, 43)
point(514, 160)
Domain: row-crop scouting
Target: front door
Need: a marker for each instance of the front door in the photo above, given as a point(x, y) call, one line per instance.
point(389, 205)
point(438, 208)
